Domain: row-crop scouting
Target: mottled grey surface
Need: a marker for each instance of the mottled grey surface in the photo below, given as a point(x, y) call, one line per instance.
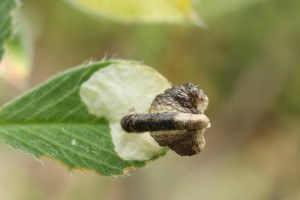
point(164, 119)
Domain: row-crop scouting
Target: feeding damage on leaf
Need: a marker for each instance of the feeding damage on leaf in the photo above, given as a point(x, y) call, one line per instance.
point(112, 92)
point(176, 119)
point(74, 117)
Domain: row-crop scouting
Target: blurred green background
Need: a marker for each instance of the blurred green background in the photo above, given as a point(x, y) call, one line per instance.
point(246, 59)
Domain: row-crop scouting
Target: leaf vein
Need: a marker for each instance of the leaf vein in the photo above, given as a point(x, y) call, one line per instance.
point(71, 150)
point(38, 99)
point(59, 100)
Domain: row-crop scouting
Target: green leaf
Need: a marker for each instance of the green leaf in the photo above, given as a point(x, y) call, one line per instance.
point(64, 120)
point(161, 11)
point(6, 7)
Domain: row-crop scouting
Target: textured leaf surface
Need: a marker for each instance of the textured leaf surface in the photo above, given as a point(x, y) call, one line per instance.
point(5, 22)
point(52, 121)
point(170, 11)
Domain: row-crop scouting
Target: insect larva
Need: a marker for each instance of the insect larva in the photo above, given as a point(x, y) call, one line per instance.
point(176, 119)
point(166, 121)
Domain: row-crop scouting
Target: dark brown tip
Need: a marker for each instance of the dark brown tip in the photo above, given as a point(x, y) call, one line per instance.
point(125, 123)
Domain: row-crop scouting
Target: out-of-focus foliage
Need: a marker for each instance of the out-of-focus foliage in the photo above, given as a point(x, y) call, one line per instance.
point(6, 29)
point(6, 7)
point(15, 67)
point(246, 60)
point(170, 11)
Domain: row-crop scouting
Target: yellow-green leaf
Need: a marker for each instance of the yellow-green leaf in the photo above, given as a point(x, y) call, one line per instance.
point(161, 11)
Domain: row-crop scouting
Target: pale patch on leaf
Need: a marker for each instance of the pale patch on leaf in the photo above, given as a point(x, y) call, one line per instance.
point(170, 11)
point(117, 90)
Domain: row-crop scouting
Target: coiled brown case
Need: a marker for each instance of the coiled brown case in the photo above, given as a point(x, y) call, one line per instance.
point(176, 119)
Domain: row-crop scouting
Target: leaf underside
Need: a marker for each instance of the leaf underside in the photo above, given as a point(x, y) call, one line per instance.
point(5, 22)
point(52, 121)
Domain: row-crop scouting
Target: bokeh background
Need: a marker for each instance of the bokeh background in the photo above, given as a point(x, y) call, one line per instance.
point(247, 60)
